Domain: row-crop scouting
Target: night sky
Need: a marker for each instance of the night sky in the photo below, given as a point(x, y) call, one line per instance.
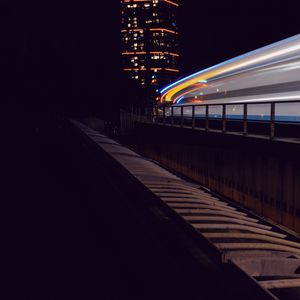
point(65, 55)
point(213, 31)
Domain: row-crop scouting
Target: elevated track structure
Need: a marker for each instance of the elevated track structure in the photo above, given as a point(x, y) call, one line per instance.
point(256, 255)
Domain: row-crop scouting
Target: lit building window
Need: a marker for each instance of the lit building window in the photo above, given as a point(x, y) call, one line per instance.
point(149, 36)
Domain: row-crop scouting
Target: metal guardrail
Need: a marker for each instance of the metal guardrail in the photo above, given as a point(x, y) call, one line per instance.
point(166, 115)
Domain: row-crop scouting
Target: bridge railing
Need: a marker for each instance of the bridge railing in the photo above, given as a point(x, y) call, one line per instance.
point(260, 118)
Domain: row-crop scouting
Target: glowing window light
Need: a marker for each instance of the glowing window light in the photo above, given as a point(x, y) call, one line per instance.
point(162, 53)
point(173, 54)
point(156, 69)
point(135, 69)
point(171, 70)
point(167, 1)
point(171, 2)
point(134, 53)
point(163, 29)
point(135, 29)
point(151, 52)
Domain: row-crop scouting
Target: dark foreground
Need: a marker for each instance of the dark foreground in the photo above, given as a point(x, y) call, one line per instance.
point(73, 238)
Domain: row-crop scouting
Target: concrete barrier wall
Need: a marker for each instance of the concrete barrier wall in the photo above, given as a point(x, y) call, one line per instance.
point(259, 174)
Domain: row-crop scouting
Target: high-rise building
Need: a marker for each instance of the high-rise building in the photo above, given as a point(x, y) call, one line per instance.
point(150, 41)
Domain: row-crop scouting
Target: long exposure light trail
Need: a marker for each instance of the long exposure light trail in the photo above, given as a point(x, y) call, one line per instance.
point(273, 64)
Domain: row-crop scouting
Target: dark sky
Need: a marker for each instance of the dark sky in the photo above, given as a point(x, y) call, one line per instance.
point(62, 55)
point(213, 31)
point(67, 53)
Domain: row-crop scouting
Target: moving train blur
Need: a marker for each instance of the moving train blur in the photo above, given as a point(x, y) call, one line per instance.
point(268, 74)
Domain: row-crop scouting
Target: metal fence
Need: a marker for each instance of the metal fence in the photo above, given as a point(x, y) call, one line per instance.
point(128, 119)
point(253, 117)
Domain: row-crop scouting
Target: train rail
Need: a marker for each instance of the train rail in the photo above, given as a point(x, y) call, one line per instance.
point(243, 243)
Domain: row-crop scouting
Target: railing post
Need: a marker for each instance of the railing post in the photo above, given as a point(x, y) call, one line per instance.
point(172, 113)
point(245, 122)
point(181, 116)
point(193, 117)
point(224, 118)
point(164, 115)
point(206, 118)
point(272, 125)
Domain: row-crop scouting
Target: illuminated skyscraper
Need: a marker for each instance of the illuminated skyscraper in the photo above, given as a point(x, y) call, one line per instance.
point(150, 41)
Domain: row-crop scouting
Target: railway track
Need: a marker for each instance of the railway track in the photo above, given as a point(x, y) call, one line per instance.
point(243, 243)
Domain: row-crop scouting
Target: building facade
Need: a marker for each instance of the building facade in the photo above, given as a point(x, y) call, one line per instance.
point(150, 41)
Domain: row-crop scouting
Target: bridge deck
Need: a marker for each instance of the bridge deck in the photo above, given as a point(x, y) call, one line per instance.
point(242, 241)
